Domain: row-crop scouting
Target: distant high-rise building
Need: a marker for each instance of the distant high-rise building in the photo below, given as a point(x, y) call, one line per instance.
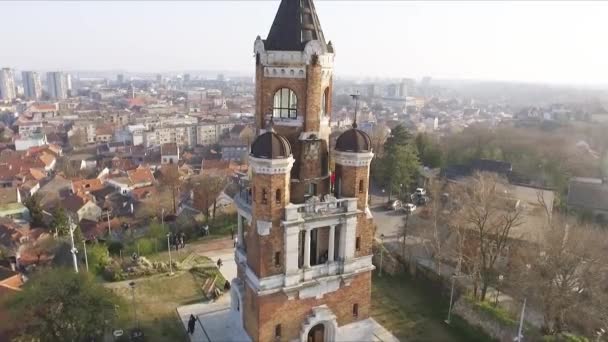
point(32, 87)
point(120, 79)
point(407, 87)
point(7, 85)
point(220, 77)
point(131, 91)
point(159, 79)
point(57, 85)
point(186, 78)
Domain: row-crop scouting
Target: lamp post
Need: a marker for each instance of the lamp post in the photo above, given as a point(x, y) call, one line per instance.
point(454, 276)
point(86, 258)
point(381, 253)
point(169, 249)
point(500, 279)
point(162, 217)
point(132, 286)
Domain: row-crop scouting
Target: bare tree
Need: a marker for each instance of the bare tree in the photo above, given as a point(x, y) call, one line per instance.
point(170, 178)
point(206, 189)
point(565, 272)
point(488, 216)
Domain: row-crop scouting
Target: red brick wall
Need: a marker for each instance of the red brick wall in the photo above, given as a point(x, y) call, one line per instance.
point(278, 309)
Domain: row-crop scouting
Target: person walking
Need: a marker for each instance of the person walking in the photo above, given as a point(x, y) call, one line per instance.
point(219, 263)
point(191, 324)
point(232, 233)
point(236, 241)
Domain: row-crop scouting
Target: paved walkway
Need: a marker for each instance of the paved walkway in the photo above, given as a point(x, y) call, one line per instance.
point(214, 322)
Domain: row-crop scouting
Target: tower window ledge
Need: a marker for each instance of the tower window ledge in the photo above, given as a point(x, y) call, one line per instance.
point(290, 122)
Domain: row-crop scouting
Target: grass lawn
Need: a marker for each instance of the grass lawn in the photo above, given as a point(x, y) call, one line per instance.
point(413, 313)
point(157, 298)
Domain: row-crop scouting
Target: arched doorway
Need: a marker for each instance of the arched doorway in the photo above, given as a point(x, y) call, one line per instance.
point(317, 333)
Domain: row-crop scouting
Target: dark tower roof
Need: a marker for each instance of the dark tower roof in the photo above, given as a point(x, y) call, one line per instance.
point(295, 24)
point(270, 145)
point(354, 140)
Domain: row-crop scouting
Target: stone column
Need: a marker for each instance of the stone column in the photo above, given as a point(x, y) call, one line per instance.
point(332, 236)
point(307, 249)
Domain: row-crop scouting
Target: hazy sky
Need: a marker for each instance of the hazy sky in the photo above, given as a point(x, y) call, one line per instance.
point(557, 42)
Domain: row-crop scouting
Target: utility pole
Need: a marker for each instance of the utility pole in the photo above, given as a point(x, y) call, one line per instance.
point(109, 226)
point(170, 262)
point(381, 253)
point(72, 227)
point(520, 336)
point(132, 285)
point(448, 320)
point(86, 258)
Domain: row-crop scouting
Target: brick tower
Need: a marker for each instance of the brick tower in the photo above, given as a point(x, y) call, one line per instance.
point(304, 256)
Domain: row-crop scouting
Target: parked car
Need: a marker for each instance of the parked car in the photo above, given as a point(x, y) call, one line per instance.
point(420, 192)
point(393, 205)
point(409, 208)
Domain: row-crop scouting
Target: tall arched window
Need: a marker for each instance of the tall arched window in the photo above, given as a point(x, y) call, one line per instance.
point(324, 102)
point(277, 196)
point(285, 104)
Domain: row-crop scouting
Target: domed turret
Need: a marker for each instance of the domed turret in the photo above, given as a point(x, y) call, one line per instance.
point(270, 145)
point(354, 140)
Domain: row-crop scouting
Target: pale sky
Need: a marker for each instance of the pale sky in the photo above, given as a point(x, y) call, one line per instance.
point(554, 42)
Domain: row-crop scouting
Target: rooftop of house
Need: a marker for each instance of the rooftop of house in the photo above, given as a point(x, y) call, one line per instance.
point(588, 193)
point(141, 175)
point(8, 195)
point(86, 185)
point(169, 149)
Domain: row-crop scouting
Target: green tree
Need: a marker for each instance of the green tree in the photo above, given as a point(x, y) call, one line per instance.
point(33, 205)
point(429, 151)
point(99, 257)
point(400, 168)
point(399, 136)
point(60, 305)
point(60, 222)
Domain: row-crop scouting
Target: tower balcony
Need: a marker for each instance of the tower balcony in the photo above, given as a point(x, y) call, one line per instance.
point(316, 207)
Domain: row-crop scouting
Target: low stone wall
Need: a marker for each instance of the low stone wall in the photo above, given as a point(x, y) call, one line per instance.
point(491, 326)
point(390, 262)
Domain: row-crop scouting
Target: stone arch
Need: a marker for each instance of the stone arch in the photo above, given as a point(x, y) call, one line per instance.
point(320, 315)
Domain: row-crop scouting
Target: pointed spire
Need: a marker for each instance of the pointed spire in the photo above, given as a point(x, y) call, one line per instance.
point(356, 98)
point(270, 125)
point(295, 24)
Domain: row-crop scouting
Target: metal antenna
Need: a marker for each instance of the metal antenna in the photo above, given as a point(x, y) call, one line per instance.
point(356, 98)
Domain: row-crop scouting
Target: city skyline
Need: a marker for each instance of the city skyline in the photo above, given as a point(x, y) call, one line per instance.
point(478, 41)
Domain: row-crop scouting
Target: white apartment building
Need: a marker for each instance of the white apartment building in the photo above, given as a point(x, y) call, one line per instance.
point(7, 85)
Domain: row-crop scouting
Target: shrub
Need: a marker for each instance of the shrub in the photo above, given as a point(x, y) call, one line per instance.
point(565, 337)
point(98, 258)
point(114, 247)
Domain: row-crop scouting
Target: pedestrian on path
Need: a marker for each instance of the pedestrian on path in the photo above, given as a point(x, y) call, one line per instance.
point(219, 263)
point(191, 324)
point(236, 241)
point(232, 233)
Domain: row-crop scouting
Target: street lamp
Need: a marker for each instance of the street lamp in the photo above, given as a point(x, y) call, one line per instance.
point(132, 286)
point(169, 249)
point(500, 279)
point(86, 258)
point(454, 276)
point(381, 253)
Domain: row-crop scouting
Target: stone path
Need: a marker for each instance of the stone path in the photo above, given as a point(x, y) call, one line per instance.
point(214, 322)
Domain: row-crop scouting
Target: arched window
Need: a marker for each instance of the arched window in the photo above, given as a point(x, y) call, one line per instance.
point(264, 196)
point(278, 196)
point(285, 104)
point(361, 186)
point(325, 102)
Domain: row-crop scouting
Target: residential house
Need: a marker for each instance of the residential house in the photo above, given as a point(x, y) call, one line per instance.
point(81, 206)
point(11, 206)
point(589, 195)
point(169, 153)
point(32, 140)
